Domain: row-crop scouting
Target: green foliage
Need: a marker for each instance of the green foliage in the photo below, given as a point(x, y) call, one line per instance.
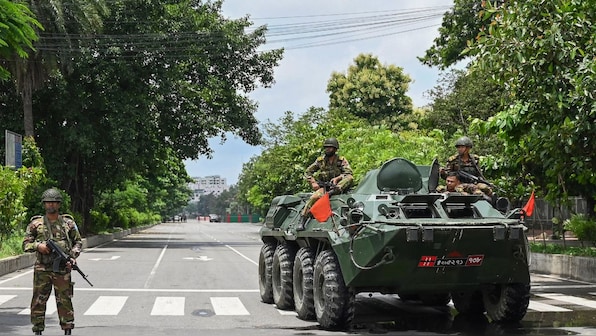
point(460, 26)
point(560, 249)
point(17, 32)
point(582, 227)
point(543, 55)
point(370, 90)
point(12, 245)
point(296, 142)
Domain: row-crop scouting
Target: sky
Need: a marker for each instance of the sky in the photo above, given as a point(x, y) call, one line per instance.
point(308, 62)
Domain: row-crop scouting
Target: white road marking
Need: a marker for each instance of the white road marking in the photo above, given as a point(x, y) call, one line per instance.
point(570, 299)
point(50, 307)
point(154, 269)
point(168, 306)
point(102, 259)
point(287, 312)
point(107, 305)
point(228, 306)
point(6, 298)
point(543, 307)
point(146, 290)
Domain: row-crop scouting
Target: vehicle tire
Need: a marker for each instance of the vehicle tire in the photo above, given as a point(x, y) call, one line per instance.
point(303, 284)
point(435, 299)
point(468, 303)
point(334, 302)
point(507, 302)
point(265, 269)
point(281, 276)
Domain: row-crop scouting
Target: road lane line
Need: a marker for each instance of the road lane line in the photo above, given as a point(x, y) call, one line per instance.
point(107, 305)
point(228, 306)
point(543, 307)
point(242, 255)
point(570, 299)
point(6, 298)
point(154, 269)
point(50, 307)
point(168, 306)
point(147, 290)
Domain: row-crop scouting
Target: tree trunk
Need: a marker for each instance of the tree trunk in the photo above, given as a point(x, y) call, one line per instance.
point(27, 97)
point(81, 191)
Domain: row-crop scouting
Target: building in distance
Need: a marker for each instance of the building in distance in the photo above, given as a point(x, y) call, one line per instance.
point(213, 184)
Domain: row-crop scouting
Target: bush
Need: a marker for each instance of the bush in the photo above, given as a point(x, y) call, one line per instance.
point(582, 227)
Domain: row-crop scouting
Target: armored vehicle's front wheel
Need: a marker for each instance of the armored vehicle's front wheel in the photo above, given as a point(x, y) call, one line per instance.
point(265, 270)
point(334, 302)
point(507, 302)
point(303, 283)
point(468, 303)
point(281, 276)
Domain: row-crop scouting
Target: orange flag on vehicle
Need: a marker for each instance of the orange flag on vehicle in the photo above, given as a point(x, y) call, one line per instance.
point(321, 210)
point(529, 207)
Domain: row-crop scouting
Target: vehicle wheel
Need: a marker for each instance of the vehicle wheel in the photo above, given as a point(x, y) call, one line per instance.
point(281, 276)
point(303, 284)
point(506, 303)
point(265, 266)
point(468, 303)
point(435, 299)
point(334, 302)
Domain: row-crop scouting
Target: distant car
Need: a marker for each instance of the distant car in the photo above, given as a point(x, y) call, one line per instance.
point(214, 218)
point(176, 218)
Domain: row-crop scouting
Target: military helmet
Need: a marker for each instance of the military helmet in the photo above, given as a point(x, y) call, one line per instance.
point(331, 142)
point(51, 195)
point(464, 141)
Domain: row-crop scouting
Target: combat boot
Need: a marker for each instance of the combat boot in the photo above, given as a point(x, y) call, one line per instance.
point(67, 331)
point(37, 332)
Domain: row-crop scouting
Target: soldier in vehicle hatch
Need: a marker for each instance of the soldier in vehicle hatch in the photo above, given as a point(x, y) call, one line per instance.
point(326, 168)
point(64, 232)
point(463, 160)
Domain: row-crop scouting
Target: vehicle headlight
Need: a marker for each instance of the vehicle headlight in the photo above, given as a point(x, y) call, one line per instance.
point(358, 205)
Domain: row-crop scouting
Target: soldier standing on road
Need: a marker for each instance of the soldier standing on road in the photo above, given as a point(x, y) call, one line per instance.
point(63, 230)
point(326, 168)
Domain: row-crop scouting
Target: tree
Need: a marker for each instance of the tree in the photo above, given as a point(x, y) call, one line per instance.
point(460, 97)
point(543, 53)
point(370, 90)
point(162, 80)
point(65, 23)
point(460, 26)
point(17, 33)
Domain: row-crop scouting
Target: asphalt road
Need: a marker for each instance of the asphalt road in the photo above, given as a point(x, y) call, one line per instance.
point(200, 278)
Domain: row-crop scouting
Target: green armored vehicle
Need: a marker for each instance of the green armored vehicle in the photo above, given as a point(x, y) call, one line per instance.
point(391, 235)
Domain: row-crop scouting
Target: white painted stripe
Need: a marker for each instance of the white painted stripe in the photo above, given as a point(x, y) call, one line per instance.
point(228, 306)
point(543, 307)
point(6, 298)
point(50, 307)
point(146, 290)
point(287, 312)
point(570, 299)
point(168, 306)
point(242, 255)
point(154, 269)
point(107, 305)
point(16, 277)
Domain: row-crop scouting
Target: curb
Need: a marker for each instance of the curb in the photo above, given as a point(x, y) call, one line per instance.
point(12, 264)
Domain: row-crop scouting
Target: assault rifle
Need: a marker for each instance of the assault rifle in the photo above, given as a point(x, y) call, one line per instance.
point(60, 256)
point(476, 179)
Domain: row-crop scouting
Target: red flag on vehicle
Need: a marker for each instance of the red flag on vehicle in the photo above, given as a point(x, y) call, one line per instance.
point(321, 210)
point(529, 207)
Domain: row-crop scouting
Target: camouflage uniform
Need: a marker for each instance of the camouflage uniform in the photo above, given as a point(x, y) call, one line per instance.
point(65, 233)
point(324, 169)
point(455, 163)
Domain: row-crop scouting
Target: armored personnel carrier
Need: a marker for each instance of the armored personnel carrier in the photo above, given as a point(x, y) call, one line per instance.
point(392, 236)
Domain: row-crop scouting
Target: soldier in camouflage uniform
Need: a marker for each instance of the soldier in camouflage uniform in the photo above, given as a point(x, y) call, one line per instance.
point(327, 168)
point(453, 184)
point(466, 162)
point(63, 230)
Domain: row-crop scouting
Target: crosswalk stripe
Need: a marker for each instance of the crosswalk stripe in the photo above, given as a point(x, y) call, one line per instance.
point(50, 307)
point(544, 307)
point(168, 306)
point(6, 298)
point(570, 299)
point(287, 312)
point(228, 306)
point(107, 305)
